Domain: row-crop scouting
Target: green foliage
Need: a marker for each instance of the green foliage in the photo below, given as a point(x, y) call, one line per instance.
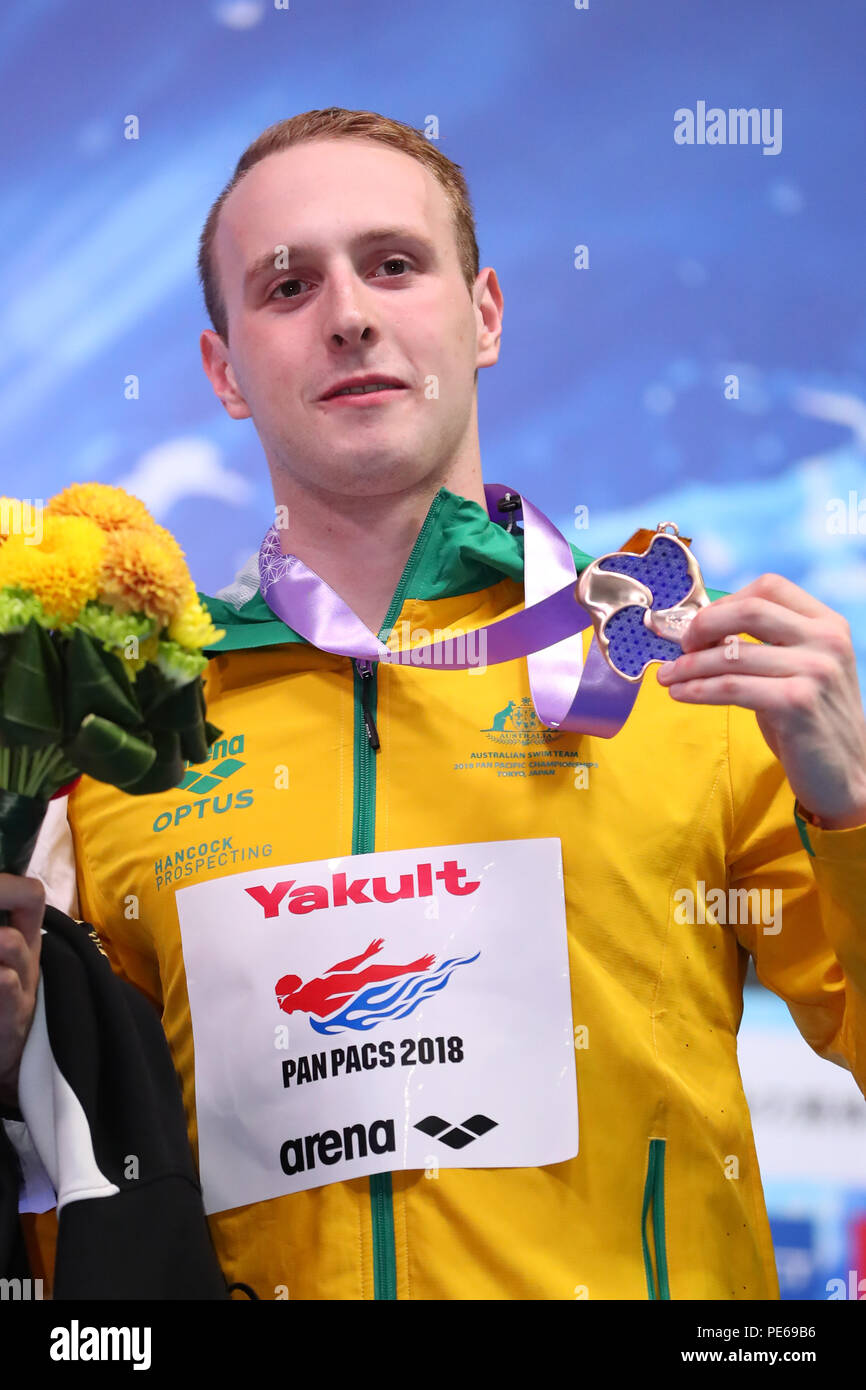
point(69, 696)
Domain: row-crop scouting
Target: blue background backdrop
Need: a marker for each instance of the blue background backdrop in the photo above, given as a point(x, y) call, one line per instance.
point(704, 261)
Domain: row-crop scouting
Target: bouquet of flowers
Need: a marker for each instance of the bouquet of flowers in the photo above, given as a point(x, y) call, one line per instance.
point(101, 656)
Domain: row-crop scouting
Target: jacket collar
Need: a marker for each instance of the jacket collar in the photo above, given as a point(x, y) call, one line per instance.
point(459, 550)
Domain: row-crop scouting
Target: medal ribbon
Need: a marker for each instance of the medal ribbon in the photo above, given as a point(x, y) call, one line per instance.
point(567, 695)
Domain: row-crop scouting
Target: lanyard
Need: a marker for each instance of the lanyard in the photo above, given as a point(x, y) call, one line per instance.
point(567, 694)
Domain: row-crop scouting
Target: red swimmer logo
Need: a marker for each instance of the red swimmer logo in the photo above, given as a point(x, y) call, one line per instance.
point(346, 997)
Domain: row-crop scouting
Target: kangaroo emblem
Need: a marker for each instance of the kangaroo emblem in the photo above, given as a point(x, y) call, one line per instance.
point(501, 717)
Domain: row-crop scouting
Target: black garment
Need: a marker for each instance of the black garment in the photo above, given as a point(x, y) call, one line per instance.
point(150, 1239)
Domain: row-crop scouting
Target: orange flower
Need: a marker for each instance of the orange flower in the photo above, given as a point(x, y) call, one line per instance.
point(110, 507)
point(172, 545)
point(142, 573)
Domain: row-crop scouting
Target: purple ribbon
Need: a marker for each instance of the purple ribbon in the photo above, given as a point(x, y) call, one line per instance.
point(567, 695)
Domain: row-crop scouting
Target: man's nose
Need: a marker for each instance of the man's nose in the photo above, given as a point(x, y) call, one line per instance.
point(348, 314)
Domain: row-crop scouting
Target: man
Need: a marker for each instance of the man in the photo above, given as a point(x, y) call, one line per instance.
point(342, 255)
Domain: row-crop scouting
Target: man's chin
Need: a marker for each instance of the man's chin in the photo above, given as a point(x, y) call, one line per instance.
point(361, 473)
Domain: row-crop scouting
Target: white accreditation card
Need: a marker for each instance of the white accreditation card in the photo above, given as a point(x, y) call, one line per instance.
point(380, 1012)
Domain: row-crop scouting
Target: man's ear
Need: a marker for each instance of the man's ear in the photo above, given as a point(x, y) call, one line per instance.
point(488, 307)
point(220, 373)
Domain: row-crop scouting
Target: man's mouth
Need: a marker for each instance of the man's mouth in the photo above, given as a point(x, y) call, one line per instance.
point(365, 386)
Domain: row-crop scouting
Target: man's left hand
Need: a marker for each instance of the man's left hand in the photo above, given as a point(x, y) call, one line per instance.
point(802, 685)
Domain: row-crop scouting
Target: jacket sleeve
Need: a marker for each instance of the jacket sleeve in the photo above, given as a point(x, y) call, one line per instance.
point(113, 927)
point(58, 866)
point(809, 944)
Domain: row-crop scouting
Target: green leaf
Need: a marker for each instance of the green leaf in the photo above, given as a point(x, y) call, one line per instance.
point(194, 744)
point(109, 753)
point(151, 686)
point(7, 645)
point(168, 767)
point(30, 694)
point(183, 712)
point(198, 742)
point(96, 683)
point(178, 709)
point(20, 820)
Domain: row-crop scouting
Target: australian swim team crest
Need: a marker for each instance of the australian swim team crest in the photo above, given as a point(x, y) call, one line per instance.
point(524, 747)
point(517, 723)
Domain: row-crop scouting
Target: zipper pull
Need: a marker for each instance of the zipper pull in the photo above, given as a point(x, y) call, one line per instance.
point(365, 671)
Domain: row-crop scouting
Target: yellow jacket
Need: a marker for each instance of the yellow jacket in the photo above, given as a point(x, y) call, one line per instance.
point(664, 1199)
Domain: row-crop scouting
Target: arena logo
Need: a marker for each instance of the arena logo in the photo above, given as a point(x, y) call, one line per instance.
point(456, 1136)
point(737, 126)
point(300, 1155)
point(222, 754)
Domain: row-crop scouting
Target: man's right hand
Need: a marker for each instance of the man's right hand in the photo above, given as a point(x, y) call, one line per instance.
point(20, 944)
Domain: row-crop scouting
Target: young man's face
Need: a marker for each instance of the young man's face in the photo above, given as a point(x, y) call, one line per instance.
point(352, 304)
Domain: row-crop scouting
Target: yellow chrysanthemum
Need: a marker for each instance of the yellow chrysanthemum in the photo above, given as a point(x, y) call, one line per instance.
point(192, 626)
point(143, 574)
point(112, 508)
point(8, 507)
point(172, 545)
point(62, 570)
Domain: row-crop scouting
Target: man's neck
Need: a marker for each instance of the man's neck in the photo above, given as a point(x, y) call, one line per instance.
point(360, 545)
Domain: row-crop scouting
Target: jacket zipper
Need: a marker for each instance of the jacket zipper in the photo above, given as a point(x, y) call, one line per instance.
point(654, 1205)
point(368, 681)
point(367, 746)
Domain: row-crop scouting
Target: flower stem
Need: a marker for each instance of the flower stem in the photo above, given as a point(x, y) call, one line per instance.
point(23, 768)
point(33, 772)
